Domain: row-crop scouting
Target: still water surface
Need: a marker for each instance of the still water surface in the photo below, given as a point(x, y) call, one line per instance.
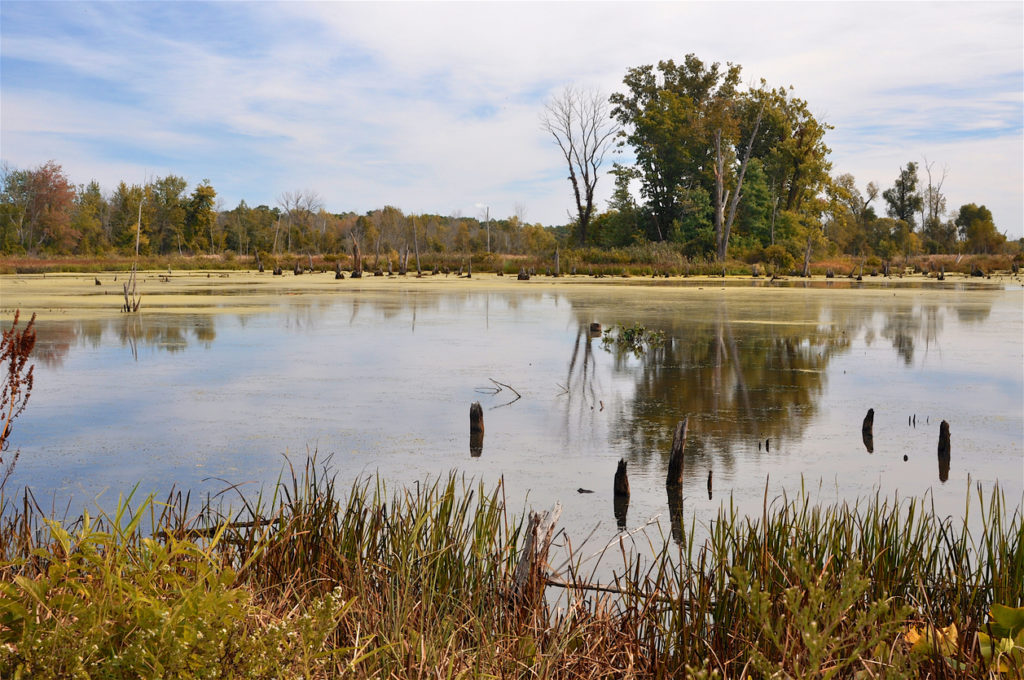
point(382, 381)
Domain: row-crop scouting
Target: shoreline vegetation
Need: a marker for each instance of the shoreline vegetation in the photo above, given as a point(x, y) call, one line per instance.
point(653, 260)
point(314, 581)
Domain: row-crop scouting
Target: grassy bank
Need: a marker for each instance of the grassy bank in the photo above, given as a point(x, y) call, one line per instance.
point(314, 581)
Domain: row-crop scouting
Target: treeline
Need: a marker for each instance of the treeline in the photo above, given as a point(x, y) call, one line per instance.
point(720, 172)
point(42, 212)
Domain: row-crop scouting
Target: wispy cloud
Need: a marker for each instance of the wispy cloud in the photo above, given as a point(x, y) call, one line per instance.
point(434, 106)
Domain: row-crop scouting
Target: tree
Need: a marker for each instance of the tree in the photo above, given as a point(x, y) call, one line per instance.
point(91, 215)
point(38, 206)
point(579, 121)
point(978, 230)
point(664, 116)
point(903, 199)
point(200, 217)
point(167, 207)
point(938, 236)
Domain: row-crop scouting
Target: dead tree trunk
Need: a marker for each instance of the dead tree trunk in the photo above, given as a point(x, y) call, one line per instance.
point(357, 260)
point(675, 460)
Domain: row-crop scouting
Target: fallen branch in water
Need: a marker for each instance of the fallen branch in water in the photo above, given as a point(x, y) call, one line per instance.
point(497, 389)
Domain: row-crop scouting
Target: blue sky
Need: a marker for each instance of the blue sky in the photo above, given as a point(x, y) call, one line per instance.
point(434, 107)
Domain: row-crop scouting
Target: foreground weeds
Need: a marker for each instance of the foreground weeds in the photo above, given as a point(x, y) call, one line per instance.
point(314, 582)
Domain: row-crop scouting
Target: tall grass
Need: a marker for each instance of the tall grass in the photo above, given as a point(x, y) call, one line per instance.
point(315, 581)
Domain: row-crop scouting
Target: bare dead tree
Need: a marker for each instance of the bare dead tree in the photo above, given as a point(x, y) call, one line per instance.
point(934, 203)
point(582, 126)
point(723, 222)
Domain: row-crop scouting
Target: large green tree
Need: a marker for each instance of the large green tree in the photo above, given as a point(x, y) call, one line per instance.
point(669, 115)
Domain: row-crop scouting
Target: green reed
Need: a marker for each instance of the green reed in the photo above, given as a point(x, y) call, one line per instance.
point(314, 581)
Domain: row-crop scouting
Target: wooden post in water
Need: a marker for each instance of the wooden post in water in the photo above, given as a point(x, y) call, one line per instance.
point(943, 451)
point(675, 459)
point(867, 431)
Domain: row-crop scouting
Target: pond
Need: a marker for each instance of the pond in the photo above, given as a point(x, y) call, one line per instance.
point(775, 382)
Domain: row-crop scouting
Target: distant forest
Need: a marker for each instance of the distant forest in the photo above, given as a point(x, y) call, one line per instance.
point(720, 172)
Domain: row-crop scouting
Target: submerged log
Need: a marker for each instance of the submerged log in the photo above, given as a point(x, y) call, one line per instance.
point(867, 431)
point(621, 480)
point(675, 459)
point(476, 418)
point(709, 484)
point(943, 451)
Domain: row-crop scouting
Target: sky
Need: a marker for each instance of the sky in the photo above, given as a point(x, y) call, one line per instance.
point(435, 107)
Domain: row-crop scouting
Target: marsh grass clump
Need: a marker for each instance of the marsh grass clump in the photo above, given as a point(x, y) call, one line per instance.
point(636, 339)
point(315, 582)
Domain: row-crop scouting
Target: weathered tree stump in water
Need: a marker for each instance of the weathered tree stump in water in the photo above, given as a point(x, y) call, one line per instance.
point(476, 418)
point(260, 268)
point(756, 271)
point(595, 330)
point(675, 459)
point(476, 444)
point(523, 276)
point(531, 575)
point(867, 431)
point(943, 451)
point(298, 269)
point(709, 484)
point(278, 272)
point(621, 486)
point(339, 275)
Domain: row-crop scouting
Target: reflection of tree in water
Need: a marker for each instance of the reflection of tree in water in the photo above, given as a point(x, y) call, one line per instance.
point(737, 382)
point(734, 387)
point(901, 327)
point(131, 331)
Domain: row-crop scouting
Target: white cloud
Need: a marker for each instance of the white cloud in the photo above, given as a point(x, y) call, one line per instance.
point(433, 106)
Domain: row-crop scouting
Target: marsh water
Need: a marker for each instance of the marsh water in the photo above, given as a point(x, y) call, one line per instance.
point(775, 383)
